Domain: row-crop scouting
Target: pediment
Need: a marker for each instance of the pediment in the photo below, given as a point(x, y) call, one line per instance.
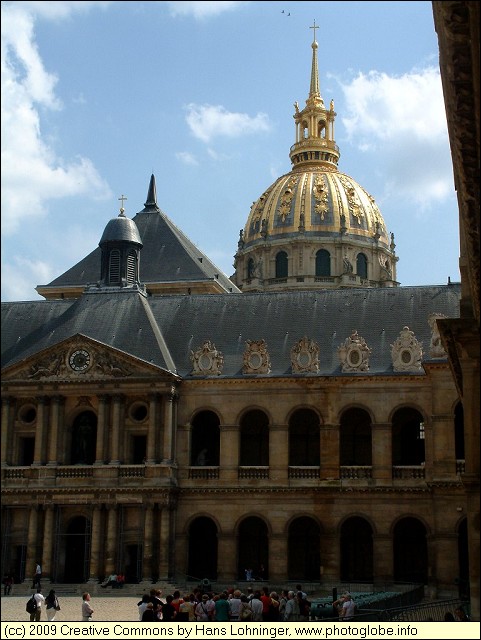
point(80, 358)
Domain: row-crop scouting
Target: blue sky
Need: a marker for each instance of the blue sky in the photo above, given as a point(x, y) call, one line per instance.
point(97, 96)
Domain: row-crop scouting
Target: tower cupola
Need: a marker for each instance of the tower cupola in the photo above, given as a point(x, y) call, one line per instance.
point(120, 245)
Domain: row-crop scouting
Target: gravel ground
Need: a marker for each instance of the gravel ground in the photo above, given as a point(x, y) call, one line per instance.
point(111, 609)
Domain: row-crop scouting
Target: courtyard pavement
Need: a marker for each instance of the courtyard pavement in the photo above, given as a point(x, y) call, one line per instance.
point(110, 609)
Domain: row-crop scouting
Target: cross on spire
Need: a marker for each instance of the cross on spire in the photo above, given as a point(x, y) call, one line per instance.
point(314, 27)
point(122, 198)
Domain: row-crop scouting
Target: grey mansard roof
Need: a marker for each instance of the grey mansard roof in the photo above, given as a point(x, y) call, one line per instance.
point(164, 330)
point(168, 259)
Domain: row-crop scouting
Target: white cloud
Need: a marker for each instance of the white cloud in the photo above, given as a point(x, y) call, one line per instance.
point(32, 174)
point(210, 121)
point(402, 121)
point(18, 274)
point(202, 9)
point(187, 158)
point(58, 10)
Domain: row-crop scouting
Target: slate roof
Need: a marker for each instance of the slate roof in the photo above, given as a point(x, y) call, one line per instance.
point(163, 330)
point(167, 255)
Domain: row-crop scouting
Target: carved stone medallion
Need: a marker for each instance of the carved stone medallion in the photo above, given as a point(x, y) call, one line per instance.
point(406, 352)
point(354, 354)
point(305, 356)
point(207, 361)
point(256, 357)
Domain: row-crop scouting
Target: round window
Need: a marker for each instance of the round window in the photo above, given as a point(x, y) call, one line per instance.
point(138, 411)
point(406, 356)
point(27, 413)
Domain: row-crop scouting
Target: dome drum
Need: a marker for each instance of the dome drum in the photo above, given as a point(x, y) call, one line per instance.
point(306, 264)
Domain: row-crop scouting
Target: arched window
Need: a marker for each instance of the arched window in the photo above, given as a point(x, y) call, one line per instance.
point(254, 444)
point(323, 263)
point(281, 265)
point(253, 548)
point(250, 268)
point(410, 551)
point(355, 448)
point(356, 550)
point(304, 439)
point(361, 264)
point(205, 444)
point(303, 548)
point(203, 565)
point(407, 437)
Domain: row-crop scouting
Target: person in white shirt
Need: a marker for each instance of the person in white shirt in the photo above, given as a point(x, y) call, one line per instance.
point(40, 600)
point(348, 608)
point(235, 605)
point(256, 606)
point(37, 576)
point(86, 607)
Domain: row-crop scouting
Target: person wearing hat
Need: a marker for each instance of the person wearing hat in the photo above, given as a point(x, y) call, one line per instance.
point(202, 613)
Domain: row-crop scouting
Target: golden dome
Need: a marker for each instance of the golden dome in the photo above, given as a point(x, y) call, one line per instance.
point(317, 203)
point(315, 227)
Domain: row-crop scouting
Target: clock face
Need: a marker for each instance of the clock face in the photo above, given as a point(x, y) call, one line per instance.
point(79, 360)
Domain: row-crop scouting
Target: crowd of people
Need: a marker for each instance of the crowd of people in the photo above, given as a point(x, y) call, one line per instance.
point(231, 605)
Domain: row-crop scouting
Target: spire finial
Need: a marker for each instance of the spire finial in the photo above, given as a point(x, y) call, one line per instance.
point(122, 210)
point(314, 90)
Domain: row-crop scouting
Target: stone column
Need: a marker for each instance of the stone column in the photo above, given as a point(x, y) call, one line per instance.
point(429, 451)
point(7, 403)
point(39, 432)
point(110, 542)
point(55, 426)
point(151, 436)
point(148, 536)
point(278, 556)
point(94, 569)
point(227, 554)
point(168, 426)
point(279, 454)
point(382, 453)
point(330, 557)
point(47, 542)
point(164, 543)
point(444, 456)
point(444, 561)
point(229, 452)
point(330, 452)
point(114, 457)
point(101, 420)
point(31, 556)
point(383, 566)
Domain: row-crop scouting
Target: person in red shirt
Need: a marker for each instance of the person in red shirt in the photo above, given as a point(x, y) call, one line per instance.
point(177, 601)
point(266, 603)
